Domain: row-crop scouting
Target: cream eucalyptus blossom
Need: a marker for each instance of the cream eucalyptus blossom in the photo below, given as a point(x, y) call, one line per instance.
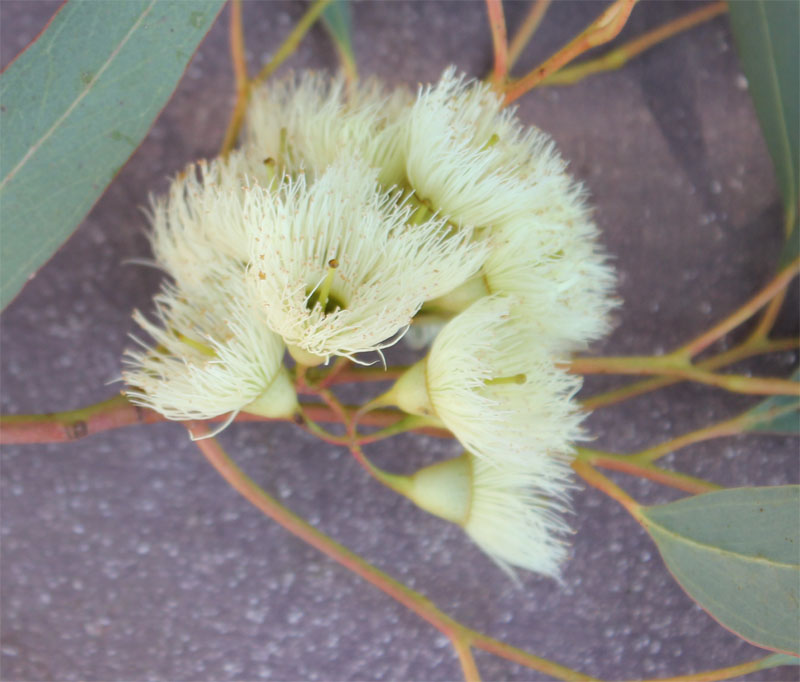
point(306, 122)
point(563, 285)
point(512, 514)
point(197, 228)
point(456, 153)
point(209, 356)
point(497, 389)
point(338, 267)
point(474, 162)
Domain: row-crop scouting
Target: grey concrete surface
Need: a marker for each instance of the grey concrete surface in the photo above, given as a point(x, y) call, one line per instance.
point(125, 557)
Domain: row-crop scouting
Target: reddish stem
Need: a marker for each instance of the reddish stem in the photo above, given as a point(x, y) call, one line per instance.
point(744, 312)
point(603, 29)
point(497, 25)
point(414, 601)
point(117, 412)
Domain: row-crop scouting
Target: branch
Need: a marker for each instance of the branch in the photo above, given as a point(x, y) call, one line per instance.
point(244, 86)
point(414, 601)
point(772, 295)
point(767, 321)
point(497, 25)
point(744, 312)
point(677, 366)
point(511, 653)
point(772, 661)
point(292, 40)
point(117, 412)
point(595, 479)
point(618, 57)
point(344, 373)
point(523, 36)
point(602, 30)
point(728, 427)
point(238, 57)
point(741, 352)
point(59, 427)
point(644, 469)
point(468, 667)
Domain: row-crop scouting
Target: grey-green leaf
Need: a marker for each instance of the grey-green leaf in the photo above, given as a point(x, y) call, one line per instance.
point(75, 105)
point(339, 22)
point(766, 33)
point(736, 552)
point(778, 414)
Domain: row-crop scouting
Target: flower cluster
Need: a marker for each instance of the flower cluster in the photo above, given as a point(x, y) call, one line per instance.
point(347, 215)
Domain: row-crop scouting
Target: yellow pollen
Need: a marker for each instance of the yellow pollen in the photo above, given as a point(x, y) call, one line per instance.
point(491, 142)
point(270, 165)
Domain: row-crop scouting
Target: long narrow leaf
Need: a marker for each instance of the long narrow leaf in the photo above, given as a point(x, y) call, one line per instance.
point(75, 105)
point(338, 20)
point(766, 36)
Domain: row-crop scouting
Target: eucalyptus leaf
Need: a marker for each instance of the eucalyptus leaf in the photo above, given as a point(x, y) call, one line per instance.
point(736, 552)
point(75, 105)
point(339, 22)
point(766, 33)
point(779, 414)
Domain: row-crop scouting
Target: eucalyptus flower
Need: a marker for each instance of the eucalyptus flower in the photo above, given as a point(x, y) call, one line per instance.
point(472, 161)
point(306, 122)
point(557, 274)
point(338, 269)
point(209, 356)
point(455, 151)
point(496, 388)
point(512, 514)
point(197, 228)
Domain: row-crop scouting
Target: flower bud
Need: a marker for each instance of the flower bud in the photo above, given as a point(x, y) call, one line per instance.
point(444, 489)
point(278, 401)
point(511, 514)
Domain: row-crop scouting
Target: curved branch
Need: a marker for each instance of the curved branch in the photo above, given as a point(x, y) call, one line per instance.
point(741, 352)
point(618, 57)
point(117, 412)
point(628, 465)
point(523, 36)
point(678, 367)
point(602, 30)
point(414, 601)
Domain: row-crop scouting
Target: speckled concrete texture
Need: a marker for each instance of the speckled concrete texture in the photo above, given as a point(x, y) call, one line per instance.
point(125, 557)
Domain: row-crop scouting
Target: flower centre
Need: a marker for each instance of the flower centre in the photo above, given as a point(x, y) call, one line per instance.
point(322, 296)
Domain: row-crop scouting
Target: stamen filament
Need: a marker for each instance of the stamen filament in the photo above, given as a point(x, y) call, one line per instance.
point(325, 289)
point(200, 347)
point(515, 379)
